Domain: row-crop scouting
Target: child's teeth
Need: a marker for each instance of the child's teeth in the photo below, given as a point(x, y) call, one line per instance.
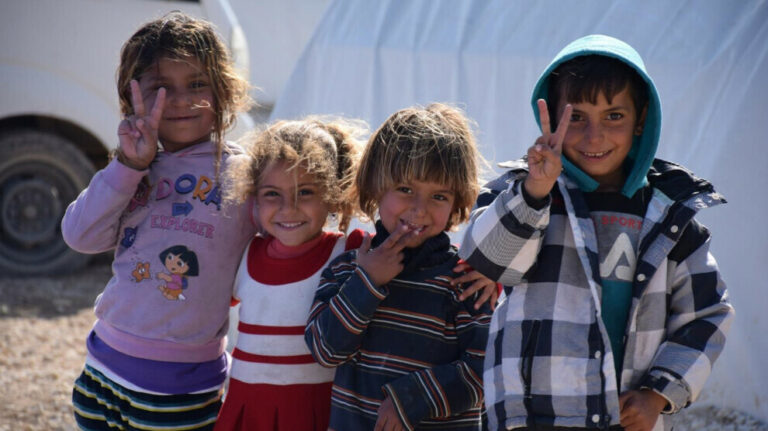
point(415, 228)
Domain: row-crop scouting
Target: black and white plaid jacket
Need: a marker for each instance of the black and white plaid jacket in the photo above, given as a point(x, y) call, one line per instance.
point(549, 359)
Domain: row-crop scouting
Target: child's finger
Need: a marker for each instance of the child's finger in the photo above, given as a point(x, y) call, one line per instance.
point(136, 99)
point(144, 128)
point(461, 267)
point(486, 294)
point(365, 245)
point(470, 275)
point(562, 128)
point(394, 239)
point(546, 128)
point(534, 155)
point(469, 291)
point(157, 110)
point(134, 130)
point(125, 128)
point(623, 399)
point(404, 239)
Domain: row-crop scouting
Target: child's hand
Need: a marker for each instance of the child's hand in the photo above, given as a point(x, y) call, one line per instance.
point(479, 281)
point(640, 409)
point(544, 162)
point(138, 132)
point(384, 262)
point(388, 419)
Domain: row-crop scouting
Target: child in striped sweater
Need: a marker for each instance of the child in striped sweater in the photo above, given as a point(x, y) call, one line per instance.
point(297, 172)
point(408, 350)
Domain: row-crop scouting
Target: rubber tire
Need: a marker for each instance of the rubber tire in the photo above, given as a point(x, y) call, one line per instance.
point(40, 174)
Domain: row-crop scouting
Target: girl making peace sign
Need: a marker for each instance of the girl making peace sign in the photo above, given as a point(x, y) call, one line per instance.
point(155, 361)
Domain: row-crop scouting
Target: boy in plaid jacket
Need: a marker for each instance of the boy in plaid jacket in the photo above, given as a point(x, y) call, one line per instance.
point(615, 309)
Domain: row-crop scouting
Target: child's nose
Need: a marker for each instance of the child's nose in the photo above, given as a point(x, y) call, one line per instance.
point(289, 204)
point(419, 205)
point(177, 98)
point(594, 133)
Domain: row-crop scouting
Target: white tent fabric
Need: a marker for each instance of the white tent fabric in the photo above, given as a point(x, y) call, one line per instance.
point(708, 58)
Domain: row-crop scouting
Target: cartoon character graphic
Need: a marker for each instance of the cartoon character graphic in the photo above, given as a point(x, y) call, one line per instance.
point(129, 236)
point(141, 197)
point(141, 272)
point(181, 263)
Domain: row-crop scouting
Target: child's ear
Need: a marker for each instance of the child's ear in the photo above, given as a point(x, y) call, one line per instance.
point(640, 123)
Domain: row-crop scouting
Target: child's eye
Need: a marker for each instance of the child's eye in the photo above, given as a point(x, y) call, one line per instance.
point(198, 84)
point(575, 117)
point(615, 116)
point(306, 192)
point(404, 189)
point(440, 197)
point(269, 194)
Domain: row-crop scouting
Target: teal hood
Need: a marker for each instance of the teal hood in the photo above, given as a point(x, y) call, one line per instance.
point(644, 146)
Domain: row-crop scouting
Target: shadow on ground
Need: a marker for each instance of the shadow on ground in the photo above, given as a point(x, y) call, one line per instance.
point(54, 296)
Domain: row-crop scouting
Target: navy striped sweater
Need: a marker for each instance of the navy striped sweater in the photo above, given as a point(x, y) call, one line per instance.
point(410, 339)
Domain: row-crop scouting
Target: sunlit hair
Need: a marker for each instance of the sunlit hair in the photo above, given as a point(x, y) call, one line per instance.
point(178, 36)
point(328, 149)
point(433, 144)
point(583, 78)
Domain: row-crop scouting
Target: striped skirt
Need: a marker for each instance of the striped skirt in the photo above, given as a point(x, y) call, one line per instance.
point(102, 404)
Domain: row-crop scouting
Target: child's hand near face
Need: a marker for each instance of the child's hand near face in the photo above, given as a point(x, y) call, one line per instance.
point(544, 162)
point(640, 409)
point(138, 132)
point(384, 262)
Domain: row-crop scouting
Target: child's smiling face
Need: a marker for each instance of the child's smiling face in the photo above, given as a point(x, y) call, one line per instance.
point(188, 115)
point(290, 204)
point(424, 207)
point(599, 137)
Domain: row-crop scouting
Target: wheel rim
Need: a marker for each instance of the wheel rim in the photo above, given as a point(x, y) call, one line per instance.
point(33, 193)
point(29, 211)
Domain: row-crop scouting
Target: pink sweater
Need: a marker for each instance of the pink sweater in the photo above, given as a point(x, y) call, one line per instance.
point(176, 250)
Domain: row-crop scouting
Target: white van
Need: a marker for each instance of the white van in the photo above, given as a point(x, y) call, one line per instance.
point(59, 111)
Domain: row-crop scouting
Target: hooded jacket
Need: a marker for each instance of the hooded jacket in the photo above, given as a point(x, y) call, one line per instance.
point(549, 359)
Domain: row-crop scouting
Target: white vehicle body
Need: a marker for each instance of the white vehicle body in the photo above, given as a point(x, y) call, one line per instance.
point(58, 98)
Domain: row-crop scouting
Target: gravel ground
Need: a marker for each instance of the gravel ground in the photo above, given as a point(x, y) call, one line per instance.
point(43, 325)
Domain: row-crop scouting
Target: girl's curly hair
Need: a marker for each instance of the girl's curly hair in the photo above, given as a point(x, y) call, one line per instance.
point(327, 149)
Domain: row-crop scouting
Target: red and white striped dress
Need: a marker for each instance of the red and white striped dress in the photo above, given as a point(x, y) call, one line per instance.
point(275, 384)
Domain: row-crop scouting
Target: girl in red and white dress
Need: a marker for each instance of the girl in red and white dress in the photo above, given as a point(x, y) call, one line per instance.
point(298, 172)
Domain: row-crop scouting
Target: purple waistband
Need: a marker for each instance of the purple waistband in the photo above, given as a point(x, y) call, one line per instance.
point(159, 376)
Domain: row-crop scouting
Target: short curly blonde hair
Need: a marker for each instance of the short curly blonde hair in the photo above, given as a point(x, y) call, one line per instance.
point(329, 149)
point(433, 144)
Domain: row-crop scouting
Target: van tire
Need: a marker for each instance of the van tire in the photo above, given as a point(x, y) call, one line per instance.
point(40, 174)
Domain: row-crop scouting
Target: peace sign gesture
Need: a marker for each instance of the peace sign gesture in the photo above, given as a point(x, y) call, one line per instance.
point(138, 132)
point(544, 162)
point(384, 262)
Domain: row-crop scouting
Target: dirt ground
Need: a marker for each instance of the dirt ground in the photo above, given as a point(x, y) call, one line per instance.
point(43, 325)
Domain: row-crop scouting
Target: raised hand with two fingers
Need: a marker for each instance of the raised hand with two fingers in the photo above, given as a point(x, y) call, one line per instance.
point(544, 162)
point(384, 262)
point(138, 133)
